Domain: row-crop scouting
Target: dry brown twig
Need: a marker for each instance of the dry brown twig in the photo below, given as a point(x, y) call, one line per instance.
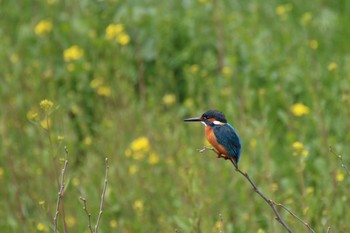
point(270, 202)
point(101, 203)
point(102, 196)
point(87, 213)
point(340, 157)
point(61, 190)
point(295, 216)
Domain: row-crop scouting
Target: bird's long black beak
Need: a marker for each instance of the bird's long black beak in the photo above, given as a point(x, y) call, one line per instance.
point(193, 119)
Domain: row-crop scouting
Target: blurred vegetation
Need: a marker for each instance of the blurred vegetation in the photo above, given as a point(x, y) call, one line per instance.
point(115, 78)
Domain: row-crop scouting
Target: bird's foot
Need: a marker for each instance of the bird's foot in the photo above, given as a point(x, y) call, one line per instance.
point(219, 155)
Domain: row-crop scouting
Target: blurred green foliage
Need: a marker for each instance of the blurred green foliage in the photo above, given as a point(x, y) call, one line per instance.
point(122, 75)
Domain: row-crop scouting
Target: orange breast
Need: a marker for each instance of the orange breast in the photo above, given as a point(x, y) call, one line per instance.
point(209, 133)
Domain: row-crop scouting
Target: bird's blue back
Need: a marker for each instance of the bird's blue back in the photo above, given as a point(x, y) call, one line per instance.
point(227, 136)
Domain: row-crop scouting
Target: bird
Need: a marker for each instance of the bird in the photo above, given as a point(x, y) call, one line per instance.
point(220, 134)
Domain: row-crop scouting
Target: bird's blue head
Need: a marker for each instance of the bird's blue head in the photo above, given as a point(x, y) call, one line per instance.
point(211, 117)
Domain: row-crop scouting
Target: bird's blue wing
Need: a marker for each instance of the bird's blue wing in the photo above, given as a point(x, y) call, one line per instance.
point(227, 136)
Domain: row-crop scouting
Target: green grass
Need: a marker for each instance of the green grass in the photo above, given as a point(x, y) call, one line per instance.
point(253, 60)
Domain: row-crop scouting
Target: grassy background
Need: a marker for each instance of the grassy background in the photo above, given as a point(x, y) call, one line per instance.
point(253, 60)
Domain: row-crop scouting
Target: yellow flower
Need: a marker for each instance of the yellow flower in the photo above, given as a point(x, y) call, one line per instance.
point(32, 115)
point(104, 91)
point(226, 71)
point(46, 105)
point(1, 172)
point(113, 223)
point(113, 30)
point(153, 158)
point(41, 227)
point(194, 68)
point(169, 99)
point(96, 82)
point(299, 149)
point(305, 18)
point(332, 66)
point(314, 44)
point(274, 187)
point(42, 202)
point(252, 143)
point(140, 144)
point(46, 123)
point(189, 103)
point(283, 9)
point(300, 109)
point(14, 58)
point(60, 138)
point(123, 38)
point(133, 169)
point(309, 190)
point(226, 91)
point(289, 201)
point(87, 141)
point(218, 226)
point(70, 221)
point(339, 176)
point(75, 181)
point(138, 206)
point(73, 53)
point(298, 145)
point(43, 27)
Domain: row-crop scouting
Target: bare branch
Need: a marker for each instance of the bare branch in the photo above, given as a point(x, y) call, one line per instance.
point(268, 201)
point(295, 216)
point(61, 190)
point(340, 157)
point(87, 213)
point(102, 197)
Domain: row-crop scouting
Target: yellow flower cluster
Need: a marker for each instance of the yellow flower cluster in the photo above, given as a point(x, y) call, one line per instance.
point(169, 100)
point(138, 206)
point(339, 176)
point(43, 27)
point(226, 71)
point(305, 18)
point(46, 105)
point(299, 149)
point(314, 44)
point(32, 115)
point(42, 227)
point(332, 66)
point(300, 109)
point(71, 221)
point(100, 87)
point(116, 32)
point(218, 227)
point(73, 53)
point(113, 223)
point(138, 149)
point(282, 10)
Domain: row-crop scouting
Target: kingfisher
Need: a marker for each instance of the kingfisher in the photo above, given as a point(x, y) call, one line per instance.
point(220, 134)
